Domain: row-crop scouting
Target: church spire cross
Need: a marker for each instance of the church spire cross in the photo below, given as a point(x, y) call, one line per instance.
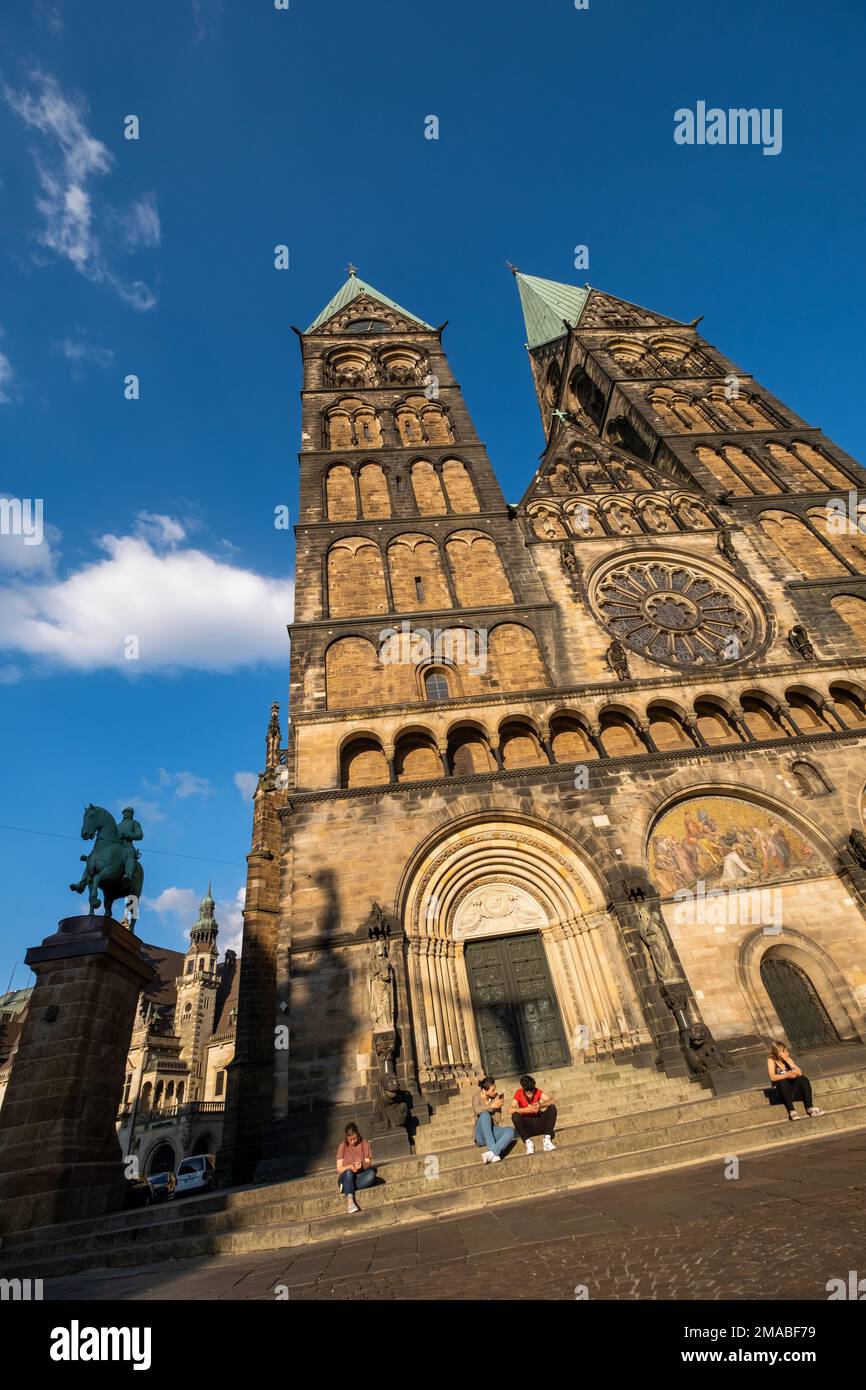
point(515, 270)
point(352, 269)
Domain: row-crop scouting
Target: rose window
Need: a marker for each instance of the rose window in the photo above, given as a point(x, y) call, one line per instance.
point(675, 615)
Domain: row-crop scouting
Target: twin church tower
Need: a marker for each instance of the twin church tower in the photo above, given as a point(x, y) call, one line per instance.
point(590, 766)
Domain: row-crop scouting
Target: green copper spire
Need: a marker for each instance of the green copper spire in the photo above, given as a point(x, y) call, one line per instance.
point(547, 305)
point(352, 289)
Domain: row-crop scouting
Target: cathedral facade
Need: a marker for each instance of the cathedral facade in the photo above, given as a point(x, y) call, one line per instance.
point(579, 778)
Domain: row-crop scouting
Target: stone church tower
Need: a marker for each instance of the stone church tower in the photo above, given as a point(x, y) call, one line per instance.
point(591, 767)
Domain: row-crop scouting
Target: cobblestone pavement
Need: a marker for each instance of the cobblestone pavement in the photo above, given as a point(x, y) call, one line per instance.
point(790, 1222)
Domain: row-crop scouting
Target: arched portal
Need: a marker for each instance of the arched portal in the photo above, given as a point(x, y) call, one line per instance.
point(513, 959)
point(794, 997)
point(162, 1160)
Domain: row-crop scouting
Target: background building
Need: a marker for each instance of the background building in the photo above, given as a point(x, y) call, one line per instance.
point(182, 1042)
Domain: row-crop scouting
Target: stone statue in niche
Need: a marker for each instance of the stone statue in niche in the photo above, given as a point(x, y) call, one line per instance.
point(381, 988)
point(798, 639)
point(654, 938)
point(857, 847)
point(726, 545)
point(377, 922)
point(617, 659)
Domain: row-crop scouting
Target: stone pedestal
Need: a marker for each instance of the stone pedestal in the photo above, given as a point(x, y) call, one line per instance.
point(60, 1159)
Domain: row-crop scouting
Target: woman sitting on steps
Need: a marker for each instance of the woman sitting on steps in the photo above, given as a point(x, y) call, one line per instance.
point(789, 1082)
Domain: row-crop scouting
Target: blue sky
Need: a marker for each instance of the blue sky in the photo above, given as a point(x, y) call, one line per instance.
point(154, 257)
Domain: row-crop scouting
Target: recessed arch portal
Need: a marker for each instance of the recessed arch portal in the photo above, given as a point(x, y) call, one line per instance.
point(493, 879)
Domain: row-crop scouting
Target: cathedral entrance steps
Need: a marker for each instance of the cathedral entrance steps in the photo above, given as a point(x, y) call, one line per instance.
point(589, 1097)
point(309, 1209)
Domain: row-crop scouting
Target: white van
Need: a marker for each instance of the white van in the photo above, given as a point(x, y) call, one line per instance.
point(195, 1174)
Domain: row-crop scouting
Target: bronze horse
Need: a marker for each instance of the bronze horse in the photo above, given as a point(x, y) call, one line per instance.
point(106, 864)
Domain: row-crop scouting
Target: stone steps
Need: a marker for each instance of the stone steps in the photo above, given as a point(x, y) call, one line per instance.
point(452, 1123)
point(305, 1210)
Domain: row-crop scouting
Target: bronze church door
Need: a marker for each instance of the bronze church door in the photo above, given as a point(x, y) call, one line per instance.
point(516, 1013)
point(798, 1004)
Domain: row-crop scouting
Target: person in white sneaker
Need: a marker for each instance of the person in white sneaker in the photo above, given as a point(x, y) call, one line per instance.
point(354, 1166)
point(789, 1083)
point(533, 1114)
point(487, 1105)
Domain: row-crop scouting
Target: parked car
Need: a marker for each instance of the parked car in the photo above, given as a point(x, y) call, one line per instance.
point(162, 1186)
point(195, 1174)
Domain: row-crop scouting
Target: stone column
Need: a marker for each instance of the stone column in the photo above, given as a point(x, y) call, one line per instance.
point(60, 1158)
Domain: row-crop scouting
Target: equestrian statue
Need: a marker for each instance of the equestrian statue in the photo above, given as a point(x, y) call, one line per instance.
point(113, 866)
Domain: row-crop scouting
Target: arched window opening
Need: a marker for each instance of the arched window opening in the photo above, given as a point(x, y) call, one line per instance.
point(436, 685)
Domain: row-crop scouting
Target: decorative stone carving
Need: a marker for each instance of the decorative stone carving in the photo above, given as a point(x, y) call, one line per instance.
point(617, 659)
point(381, 988)
point(568, 561)
point(654, 938)
point(390, 1109)
point(798, 639)
point(857, 847)
point(726, 545)
point(674, 614)
point(495, 909)
point(702, 1054)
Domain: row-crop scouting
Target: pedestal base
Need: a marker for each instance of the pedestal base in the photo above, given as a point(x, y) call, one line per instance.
point(59, 1155)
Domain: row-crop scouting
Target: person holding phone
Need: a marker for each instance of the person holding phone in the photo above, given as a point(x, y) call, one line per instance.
point(533, 1113)
point(487, 1106)
point(354, 1166)
point(789, 1082)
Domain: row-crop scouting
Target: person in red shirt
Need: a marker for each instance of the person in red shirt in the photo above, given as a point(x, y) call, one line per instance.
point(354, 1166)
point(533, 1113)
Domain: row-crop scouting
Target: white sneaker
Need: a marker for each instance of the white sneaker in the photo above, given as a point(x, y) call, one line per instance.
point(494, 1158)
point(549, 1145)
point(352, 1206)
point(487, 1156)
point(530, 1147)
point(815, 1111)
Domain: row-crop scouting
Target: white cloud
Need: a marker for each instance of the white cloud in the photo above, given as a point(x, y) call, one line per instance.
point(139, 223)
point(185, 784)
point(6, 377)
point(246, 783)
point(67, 161)
point(205, 14)
point(78, 351)
point(147, 812)
point(179, 905)
point(229, 914)
point(50, 16)
point(185, 610)
point(159, 529)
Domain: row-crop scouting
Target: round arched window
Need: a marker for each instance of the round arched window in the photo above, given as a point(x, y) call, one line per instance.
point(436, 685)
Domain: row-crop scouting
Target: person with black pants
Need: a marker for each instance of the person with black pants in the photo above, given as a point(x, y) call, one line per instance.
point(533, 1114)
point(789, 1082)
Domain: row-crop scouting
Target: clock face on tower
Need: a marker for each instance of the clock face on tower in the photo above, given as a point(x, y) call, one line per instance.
point(367, 326)
point(676, 614)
